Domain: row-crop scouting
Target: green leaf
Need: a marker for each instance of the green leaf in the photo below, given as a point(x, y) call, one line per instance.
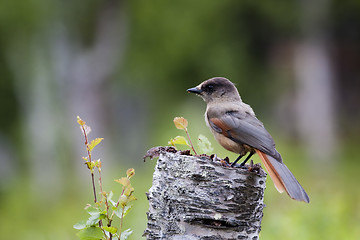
point(112, 230)
point(178, 140)
point(90, 233)
point(127, 209)
point(131, 198)
point(112, 202)
point(128, 190)
point(90, 166)
point(123, 181)
point(109, 198)
point(93, 220)
point(110, 195)
point(80, 225)
point(93, 143)
point(92, 210)
point(204, 144)
point(125, 234)
point(118, 211)
point(98, 164)
point(95, 217)
point(123, 200)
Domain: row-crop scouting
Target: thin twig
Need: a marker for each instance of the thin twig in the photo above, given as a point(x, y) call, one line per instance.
point(93, 183)
point(121, 221)
point(122, 215)
point(89, 160)
point(192, 146)
point(106, 202)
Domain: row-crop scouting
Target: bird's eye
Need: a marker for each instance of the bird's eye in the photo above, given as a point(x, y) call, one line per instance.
point(210, 88)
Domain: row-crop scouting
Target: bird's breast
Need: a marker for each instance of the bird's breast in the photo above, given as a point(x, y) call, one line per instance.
point(226, 142)
point(229, 144)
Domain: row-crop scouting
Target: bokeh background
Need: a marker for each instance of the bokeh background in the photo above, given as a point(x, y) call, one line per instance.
point(124, 66)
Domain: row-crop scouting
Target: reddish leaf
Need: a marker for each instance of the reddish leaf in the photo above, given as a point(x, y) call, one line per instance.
point(180, 123)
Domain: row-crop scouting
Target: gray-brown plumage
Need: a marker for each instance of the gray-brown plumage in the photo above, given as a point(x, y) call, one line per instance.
point(237, 129)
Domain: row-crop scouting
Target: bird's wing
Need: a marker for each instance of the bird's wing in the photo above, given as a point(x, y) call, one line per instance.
point(243, 128)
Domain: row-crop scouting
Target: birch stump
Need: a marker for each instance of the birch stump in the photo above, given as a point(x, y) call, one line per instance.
point(201, 198)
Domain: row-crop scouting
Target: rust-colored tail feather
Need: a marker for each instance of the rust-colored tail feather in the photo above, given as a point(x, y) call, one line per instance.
point(283, 178)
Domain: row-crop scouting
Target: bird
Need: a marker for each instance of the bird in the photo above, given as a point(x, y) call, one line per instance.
point(236, 127)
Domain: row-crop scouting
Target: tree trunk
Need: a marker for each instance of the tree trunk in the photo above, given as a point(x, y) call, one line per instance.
point(203, 198)
point(316, 97)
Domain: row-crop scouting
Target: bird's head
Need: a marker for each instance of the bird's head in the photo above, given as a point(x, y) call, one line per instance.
point(217, 89)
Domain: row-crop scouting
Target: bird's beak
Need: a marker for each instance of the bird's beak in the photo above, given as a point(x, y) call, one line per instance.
point(196, 90)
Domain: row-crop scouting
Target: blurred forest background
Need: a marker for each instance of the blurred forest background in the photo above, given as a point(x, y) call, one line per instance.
point(124, 67)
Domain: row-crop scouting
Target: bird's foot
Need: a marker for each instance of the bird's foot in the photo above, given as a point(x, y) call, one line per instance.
point(225, 162)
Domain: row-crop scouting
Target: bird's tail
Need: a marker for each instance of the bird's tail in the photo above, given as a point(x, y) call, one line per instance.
point(283, 178)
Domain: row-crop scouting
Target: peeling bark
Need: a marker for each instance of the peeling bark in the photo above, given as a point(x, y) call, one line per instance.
point(200, 198)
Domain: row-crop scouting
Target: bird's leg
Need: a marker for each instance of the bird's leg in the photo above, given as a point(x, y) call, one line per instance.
point(238, 158)
point(247, 158)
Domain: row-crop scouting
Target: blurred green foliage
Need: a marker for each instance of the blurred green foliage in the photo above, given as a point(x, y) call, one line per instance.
point(168, 46)
point(333, 212)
